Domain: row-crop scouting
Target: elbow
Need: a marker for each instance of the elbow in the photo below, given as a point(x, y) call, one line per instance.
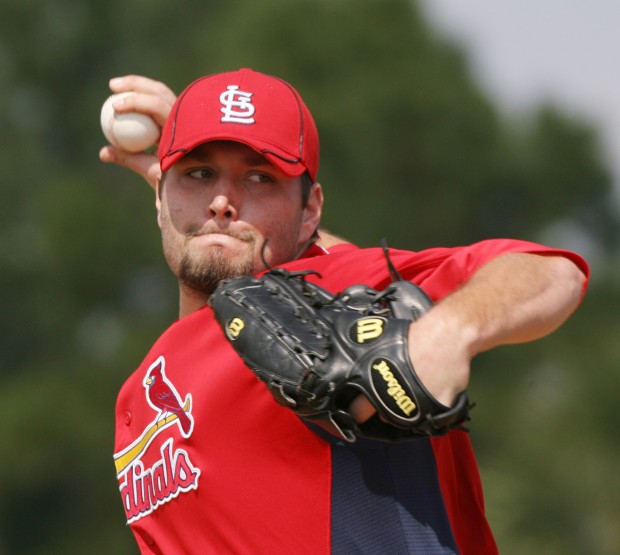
point(563, 292)
point(571, 280)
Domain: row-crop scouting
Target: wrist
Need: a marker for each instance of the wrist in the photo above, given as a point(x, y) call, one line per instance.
point(440, 352)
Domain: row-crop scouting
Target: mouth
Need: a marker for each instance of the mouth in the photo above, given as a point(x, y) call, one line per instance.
point(221, 238)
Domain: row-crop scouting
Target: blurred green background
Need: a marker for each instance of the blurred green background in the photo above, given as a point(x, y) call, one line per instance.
point(412, 150)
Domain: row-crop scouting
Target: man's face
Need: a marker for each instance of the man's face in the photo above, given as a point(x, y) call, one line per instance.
point(223, 207)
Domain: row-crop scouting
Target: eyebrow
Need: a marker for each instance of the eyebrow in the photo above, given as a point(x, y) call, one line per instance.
point(254, 159)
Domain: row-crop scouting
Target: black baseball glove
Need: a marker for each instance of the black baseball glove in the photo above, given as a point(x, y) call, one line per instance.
point(317, 351)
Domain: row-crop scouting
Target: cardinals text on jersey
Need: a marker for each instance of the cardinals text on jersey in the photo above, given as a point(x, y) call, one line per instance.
point(144, 487)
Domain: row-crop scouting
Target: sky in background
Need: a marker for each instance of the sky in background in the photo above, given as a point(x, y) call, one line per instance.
point(526, 51)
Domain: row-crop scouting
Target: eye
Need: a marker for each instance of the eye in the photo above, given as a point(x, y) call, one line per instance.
point(201, 173)
point(260, 177)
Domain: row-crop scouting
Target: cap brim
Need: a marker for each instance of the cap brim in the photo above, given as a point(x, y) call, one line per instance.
point(283, 161)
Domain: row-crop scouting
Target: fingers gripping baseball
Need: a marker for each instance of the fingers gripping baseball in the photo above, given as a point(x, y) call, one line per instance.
point(131, 120)
point(151, 97)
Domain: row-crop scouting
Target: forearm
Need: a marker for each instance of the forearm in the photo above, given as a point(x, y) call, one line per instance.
point(512, 299)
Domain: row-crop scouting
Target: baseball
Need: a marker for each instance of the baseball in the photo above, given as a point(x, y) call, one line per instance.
point(132, 131)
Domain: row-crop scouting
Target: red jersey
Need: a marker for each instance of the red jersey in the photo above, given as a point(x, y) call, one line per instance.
point(208, 463)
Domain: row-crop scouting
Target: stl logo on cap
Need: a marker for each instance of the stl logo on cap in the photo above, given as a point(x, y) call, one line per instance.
point(233, 98)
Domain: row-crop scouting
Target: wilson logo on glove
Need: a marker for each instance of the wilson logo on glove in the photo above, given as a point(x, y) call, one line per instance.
point(367, 329)
point(234, 328)
point(383, 376)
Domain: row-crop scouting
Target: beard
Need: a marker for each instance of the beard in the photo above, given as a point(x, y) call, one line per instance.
point(205, 273)
point(202, 269)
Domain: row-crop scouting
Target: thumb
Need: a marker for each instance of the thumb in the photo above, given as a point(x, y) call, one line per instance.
point(144, 164)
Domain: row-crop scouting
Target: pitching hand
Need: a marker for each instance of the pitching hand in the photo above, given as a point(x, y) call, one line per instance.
point(154, 99)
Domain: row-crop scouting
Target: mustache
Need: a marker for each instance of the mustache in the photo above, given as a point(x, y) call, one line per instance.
point(246, 236)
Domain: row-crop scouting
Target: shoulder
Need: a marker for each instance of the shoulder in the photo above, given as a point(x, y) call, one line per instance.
point(346, 264)
point(438, 270)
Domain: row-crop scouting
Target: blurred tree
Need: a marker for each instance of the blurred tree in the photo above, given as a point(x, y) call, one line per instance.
point(411, 151)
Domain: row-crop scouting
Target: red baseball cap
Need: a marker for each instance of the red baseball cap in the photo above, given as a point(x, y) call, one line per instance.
point(249, 107)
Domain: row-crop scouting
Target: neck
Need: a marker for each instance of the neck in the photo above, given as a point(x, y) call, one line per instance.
point(190, 300)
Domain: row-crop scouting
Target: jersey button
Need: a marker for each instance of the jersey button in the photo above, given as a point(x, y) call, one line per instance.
point(127, 418)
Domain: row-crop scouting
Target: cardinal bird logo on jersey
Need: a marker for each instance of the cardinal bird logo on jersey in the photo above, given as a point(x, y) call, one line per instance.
point(150, 477)
point(163, 396)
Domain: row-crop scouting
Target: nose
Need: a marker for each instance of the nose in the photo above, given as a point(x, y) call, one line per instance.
point(224, 202)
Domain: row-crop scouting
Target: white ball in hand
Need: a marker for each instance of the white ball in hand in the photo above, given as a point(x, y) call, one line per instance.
point(131, 131)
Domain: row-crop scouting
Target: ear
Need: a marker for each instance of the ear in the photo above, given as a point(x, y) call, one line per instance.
point(312, 212)
point(158, 191)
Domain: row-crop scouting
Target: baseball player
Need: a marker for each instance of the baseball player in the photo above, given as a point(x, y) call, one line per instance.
point(208, 459)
